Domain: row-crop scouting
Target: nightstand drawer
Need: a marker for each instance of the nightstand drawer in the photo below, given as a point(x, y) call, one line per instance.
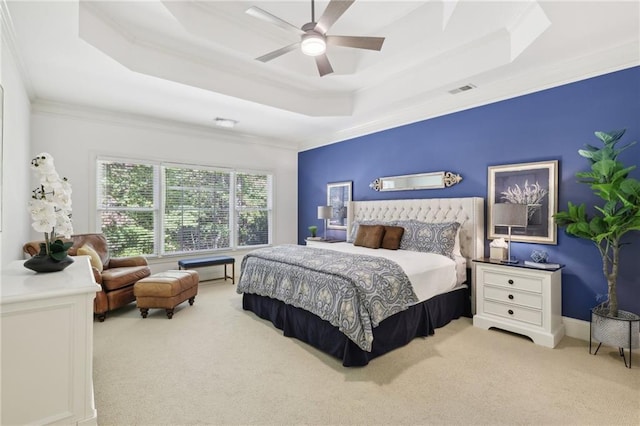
point(513, 312)
point(510, 280)
point(513, 297)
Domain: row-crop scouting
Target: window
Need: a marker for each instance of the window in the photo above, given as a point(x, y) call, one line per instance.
point(253, 208)
point(163, 209)
point(127, 211)
point(196, 209)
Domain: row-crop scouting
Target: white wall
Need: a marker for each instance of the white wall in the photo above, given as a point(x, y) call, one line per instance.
point(16, 187)
point(76, 136)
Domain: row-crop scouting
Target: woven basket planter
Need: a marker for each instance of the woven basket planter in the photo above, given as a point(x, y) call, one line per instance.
point(622, 331)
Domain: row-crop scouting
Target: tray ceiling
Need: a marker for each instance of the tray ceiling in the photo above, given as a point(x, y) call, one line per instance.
point(191, 62)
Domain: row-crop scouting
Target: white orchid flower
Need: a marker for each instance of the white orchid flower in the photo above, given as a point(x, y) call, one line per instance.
point(50, 207)
point(44, 224)
point(43, 163)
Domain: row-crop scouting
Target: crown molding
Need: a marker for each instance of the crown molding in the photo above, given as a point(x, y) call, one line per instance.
point(522, 83)
point(9, 36)
point(86, 113)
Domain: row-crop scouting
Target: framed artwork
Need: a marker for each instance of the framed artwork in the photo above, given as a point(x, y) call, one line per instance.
point(338, 197)
point(533, 184)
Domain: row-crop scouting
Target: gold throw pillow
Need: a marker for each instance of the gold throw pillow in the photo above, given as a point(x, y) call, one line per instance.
point(94, 257)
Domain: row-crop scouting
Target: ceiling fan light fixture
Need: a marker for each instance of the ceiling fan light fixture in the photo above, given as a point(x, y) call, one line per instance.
point(313, 44)
point(313, 35)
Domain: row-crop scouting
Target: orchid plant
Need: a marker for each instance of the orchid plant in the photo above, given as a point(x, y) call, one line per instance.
point(50, 206)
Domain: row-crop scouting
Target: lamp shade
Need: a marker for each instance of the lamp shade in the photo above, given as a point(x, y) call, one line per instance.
point(508, 214)
point(324, 212)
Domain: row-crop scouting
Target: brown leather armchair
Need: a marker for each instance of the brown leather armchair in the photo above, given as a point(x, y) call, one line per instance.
point(117, 277)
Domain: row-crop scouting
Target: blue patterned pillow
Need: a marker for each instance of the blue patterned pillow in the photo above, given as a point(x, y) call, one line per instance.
point(439, 238)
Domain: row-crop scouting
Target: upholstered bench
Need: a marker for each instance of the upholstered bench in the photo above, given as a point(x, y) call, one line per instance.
point(211, 261)
point(166, 290)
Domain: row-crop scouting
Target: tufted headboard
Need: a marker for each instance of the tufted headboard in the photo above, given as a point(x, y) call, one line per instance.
point(469, 212)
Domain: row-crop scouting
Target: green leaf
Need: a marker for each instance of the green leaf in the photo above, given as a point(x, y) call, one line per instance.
point(59, 255)
point(609, 180)
point(610, 208)
point(610, 137)
point(631, 188)
point(605, 168)
point(58, 249)
point(574, 220)
point(606, 191)
point(598, 225)
point(587, 153)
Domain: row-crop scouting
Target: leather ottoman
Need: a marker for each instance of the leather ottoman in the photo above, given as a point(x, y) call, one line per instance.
point(166, 290)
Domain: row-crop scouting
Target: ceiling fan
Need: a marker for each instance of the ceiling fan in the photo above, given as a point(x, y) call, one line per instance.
point(313, 35)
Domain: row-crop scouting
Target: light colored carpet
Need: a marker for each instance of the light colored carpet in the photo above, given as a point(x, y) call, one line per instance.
point(215, 363)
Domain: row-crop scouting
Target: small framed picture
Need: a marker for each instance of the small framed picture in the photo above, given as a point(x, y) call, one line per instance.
point(338, 197)
point(533, 184)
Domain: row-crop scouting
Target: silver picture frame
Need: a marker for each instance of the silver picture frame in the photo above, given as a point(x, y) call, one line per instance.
point(534, 184)
point(338, 197)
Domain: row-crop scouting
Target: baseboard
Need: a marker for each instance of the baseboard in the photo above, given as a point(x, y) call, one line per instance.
point(576, 328)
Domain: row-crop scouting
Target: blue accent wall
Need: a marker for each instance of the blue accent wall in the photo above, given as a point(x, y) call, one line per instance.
point(547, 125)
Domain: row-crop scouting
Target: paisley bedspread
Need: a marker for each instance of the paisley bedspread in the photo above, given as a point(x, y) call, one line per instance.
point(351, 291)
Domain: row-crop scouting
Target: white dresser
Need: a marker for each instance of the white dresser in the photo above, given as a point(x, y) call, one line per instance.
point(522, 300)
point(47, 345)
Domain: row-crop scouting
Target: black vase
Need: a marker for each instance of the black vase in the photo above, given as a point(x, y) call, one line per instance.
point(42, 262)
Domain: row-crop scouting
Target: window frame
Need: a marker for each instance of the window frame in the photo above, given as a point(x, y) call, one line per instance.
point(159, 203)
point(268, 208)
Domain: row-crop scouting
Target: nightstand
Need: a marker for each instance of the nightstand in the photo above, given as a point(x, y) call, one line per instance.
point(321, 242)
point(519, 299)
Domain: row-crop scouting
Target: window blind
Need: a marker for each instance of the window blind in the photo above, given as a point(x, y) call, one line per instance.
point(196, 209)
point(160, 209)
point(126, 207)
point(253, 208)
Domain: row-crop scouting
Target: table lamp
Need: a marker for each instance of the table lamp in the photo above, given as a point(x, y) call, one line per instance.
point(510, 215)
point(324, 213)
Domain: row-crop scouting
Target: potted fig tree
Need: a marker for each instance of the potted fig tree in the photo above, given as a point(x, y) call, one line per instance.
point(612, 218)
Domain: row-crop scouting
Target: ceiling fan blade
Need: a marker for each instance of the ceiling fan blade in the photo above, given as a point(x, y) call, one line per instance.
point(256, 12)
point(370, 43)
point(324, 67)
point(272, 55)
point(331, 14)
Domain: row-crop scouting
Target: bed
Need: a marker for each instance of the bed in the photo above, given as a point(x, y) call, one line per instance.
point(276, 292)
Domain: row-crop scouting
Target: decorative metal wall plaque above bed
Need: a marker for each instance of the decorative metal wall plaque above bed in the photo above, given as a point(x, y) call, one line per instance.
point(432, 180)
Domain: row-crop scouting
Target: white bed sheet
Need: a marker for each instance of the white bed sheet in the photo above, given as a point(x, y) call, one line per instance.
point(430, 274)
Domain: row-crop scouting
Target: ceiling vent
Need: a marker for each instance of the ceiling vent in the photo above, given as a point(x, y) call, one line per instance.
point(462, 88)
point(225, 122)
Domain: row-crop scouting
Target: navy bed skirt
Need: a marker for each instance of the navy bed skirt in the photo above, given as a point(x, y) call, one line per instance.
point(396, 331)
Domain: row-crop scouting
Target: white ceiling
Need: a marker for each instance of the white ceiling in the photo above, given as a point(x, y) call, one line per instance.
point(191, 62)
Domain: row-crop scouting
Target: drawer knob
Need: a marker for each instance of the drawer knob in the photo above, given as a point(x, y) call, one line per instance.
point(510, 281)
point(510, 312)
point(511, 296)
